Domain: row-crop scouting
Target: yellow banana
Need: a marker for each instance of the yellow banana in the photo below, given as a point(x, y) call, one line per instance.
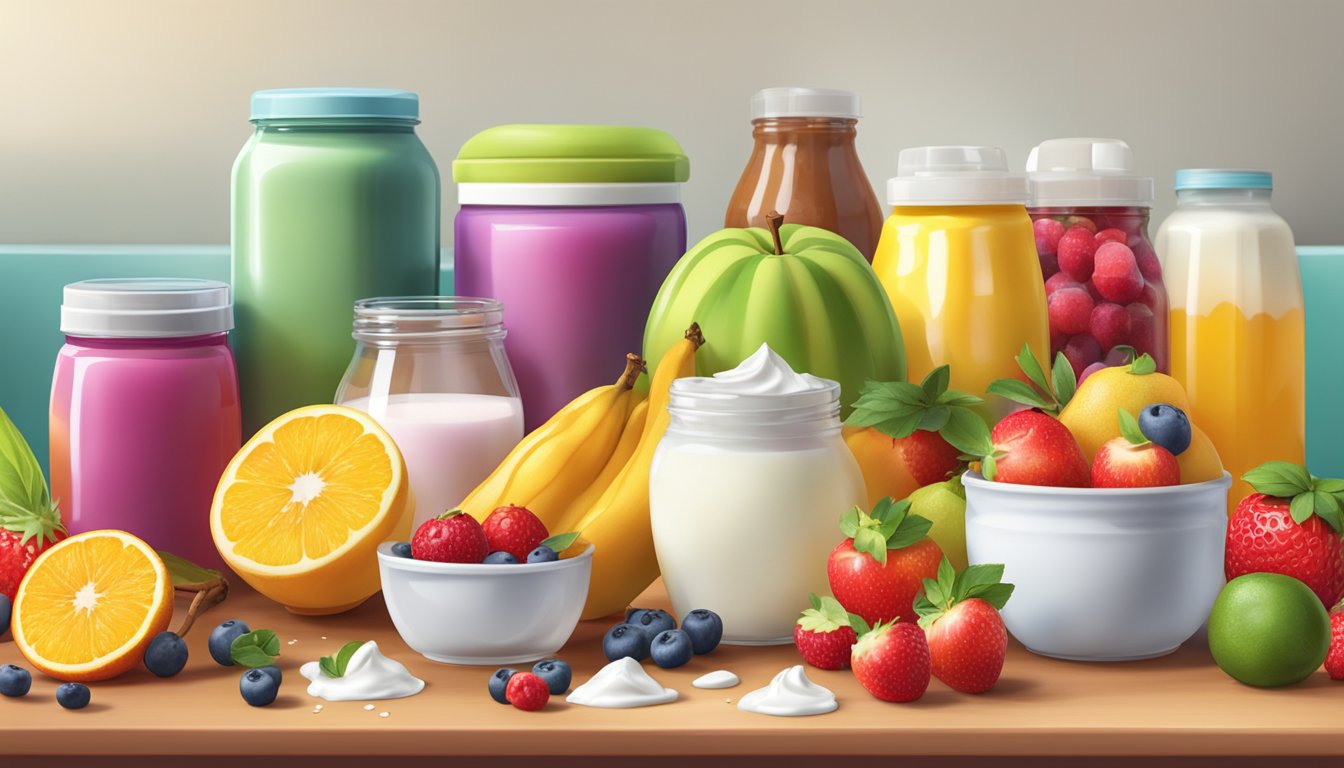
point(624, 562)
point(630, 436)
point(576, 440)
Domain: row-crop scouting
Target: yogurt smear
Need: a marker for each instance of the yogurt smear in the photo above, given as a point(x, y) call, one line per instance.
point(790, 694)
point(622, 684)
point(719, 678)
point(370, 675)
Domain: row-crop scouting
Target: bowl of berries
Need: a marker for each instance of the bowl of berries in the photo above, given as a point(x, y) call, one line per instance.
point(500, 592)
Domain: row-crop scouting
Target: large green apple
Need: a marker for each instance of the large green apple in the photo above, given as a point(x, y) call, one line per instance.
point(806, 292)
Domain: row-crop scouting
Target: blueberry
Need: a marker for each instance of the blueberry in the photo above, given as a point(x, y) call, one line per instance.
point(653, 621)
point(274, 672)
point(500, 558)
point(626, 640)
point(166, 654)
point(542, 554)
point(221, 640)
point(402, 549)
point(556, 673)
point(258, 687)
point(5, 606)
point(72, 695)
point(499, 681)
point(1166, 425)
point(705, 628)
point(671, 648)
point(15, 681)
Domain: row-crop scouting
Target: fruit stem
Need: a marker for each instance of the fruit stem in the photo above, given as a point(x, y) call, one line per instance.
point(634, 365)
point(208, 595)
point(693, 334)
point(776, 220)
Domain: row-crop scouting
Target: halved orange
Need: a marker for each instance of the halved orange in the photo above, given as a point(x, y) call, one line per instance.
point(300, 511)
point(89, 606)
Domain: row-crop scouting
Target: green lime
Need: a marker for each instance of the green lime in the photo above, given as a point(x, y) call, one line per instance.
point(945, 505)
point(1268, 630)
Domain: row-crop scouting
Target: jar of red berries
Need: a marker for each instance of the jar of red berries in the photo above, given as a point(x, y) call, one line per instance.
point(1103, 282)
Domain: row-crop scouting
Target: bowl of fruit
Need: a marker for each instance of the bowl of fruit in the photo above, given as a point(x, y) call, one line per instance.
point(502, 592)
point(1107, 509)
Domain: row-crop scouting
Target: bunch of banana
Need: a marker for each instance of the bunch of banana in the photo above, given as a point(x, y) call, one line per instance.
point(559, 461)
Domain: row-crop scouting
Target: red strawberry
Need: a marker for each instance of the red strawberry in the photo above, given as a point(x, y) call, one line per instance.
point(823, 634)
point(453, 537)
point(892, 661)
point(960, 616)
point(514, 530)
point(25, 534)
point(1334, 663)
point(877, 571)
point(1291, 526)
point(527, 692)
point(1036, 449)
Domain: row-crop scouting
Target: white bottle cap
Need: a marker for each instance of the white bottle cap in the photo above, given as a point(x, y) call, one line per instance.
point(955, 176)
point(805, 102)
point(146, 308)
point(1066, 173)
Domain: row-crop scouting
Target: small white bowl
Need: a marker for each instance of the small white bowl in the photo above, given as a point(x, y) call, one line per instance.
point(464, 613)
point(1102, 574)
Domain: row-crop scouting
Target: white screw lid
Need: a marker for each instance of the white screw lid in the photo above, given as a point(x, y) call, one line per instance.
point(955, 175)
point(140, 308)
point(805, 102)
point(1063, 173)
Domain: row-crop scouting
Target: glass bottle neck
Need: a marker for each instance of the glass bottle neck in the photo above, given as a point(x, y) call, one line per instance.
point(1223, 197)
point(336, 125)
point(833, 129)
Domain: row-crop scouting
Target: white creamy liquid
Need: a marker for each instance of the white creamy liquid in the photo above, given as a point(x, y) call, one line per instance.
point(369, 676)
point(790, 694)
point(622, 684)
point(719, 678)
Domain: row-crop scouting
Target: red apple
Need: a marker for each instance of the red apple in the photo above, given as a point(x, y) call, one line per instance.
point(1122, 464)
point(1034, 448)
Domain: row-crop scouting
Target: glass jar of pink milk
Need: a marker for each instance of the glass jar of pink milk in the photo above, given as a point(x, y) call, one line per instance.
point(144, 409)
point(432, 370)
point(573, 228)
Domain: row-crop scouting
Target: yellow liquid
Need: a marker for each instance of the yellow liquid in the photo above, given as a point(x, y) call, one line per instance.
point(1246, 384)
point(966, 286)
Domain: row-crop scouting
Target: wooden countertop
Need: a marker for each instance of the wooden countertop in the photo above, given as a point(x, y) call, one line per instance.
point(1181, 705)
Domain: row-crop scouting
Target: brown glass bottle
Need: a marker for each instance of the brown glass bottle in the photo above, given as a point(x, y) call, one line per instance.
point(808, 169)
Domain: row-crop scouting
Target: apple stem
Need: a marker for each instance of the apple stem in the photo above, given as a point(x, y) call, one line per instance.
point(776, 220)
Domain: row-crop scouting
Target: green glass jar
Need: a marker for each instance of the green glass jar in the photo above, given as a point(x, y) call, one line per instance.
point(335, 199)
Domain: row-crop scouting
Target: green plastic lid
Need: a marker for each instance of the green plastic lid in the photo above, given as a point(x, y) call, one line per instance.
point(570, 154)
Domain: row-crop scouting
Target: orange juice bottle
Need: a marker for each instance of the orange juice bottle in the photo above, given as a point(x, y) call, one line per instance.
point(1237, 341)
point(958, 260)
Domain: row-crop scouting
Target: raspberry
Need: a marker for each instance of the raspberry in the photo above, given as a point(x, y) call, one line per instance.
point(1111, 235)
point(527, 692)
point(1116, 274)
point(1060, 280)
point(1334, 662)
point(1076, 251)
point(1081, 221)
point(1149, 266)
point(1048, 232)
point(1142, 329)
point(1082, 351)
point(1070, 310)
point(1109, 325)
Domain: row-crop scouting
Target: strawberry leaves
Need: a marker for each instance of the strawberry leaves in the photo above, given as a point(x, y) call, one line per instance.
point(950, 588)
point(1142, 365)
point(1310, 495)
point(1129, 429)
point(889, 526)
point(898, 408)
point(26, 507)
point(827, 615)
point(1049, 396)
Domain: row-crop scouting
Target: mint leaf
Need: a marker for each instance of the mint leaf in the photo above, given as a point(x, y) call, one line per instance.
point(935, 384)
point(1329, 509)
point(1329, 485)
point(1018, 392)
point(1302, 507)
point(343, 655)
point(849, 522)
point(954, 398)
point(561, 541)
point(901, 425)
point(996, 595)
point(967, 431)
point(328, 666)
point(1129, 429)
point(1279, 478)
point(870, 542)
point(258, 648)
point(912, 529)
point(25, 503)
point(887, 508)
point(935, 418)
point(1066, 384)
point(972, 581)
point(1027, 362)
point(1143, 365)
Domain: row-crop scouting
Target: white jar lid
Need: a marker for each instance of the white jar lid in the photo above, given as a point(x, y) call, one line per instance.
point(1063, 173)
point(955, 175)
point(151, 307)
point(805, 102)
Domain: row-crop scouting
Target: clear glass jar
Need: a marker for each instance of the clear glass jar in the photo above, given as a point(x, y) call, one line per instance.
point(432, 370)
point(745, 497)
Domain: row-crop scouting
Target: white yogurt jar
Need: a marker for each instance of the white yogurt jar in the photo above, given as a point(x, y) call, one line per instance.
point(747, 488)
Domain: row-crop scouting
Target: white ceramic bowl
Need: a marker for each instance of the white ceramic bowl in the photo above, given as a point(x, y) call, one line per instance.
point(460, 613)
point(1102, 574)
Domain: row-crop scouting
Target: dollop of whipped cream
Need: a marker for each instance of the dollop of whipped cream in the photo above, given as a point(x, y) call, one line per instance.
point(790, 694)
point(764, 373)
point(719, 678)
point(622, 684)
point(369, 676)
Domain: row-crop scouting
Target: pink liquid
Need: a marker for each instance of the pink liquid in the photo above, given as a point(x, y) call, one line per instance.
point(450, 442)
point(141, 431)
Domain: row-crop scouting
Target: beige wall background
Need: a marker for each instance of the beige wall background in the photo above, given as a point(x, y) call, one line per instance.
point(121, 118)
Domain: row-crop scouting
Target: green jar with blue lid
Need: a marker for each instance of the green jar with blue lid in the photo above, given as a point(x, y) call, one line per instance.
point(335, 199)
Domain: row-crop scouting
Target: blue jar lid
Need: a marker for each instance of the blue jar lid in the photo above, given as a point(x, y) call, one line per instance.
point(1223, 178)
point(289, 103)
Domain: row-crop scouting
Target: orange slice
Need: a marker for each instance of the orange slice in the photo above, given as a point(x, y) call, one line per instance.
point(88, 607)
point(301, 509)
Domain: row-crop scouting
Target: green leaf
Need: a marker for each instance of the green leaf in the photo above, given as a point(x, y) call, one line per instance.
point(935, 418)
point(1029, 365)
point(827, 616)
point(1018, 392)
point(561, 541)
point(967, 431)
point(1066, 384)
point(954, 398)
point(934, 593)
point(888, 508)
point(1329, 485)
point(972, 581)
point(343, 656)
point(900, 426)
point(860, 626)
point(185, 573)
point(849, 522)
point(815, 601)
point(1129, 428)
point(258, 648)
point(25, 502)
point(1329, 509)
point(927, 611)
point(996, 595)
point(1143, 365)
point(328, 666)
point(935, 384)
point(947, 580)
point(1279, 478)
point(870, 542)
point(912, 529)
point(1302, 507)
point(988, 468)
